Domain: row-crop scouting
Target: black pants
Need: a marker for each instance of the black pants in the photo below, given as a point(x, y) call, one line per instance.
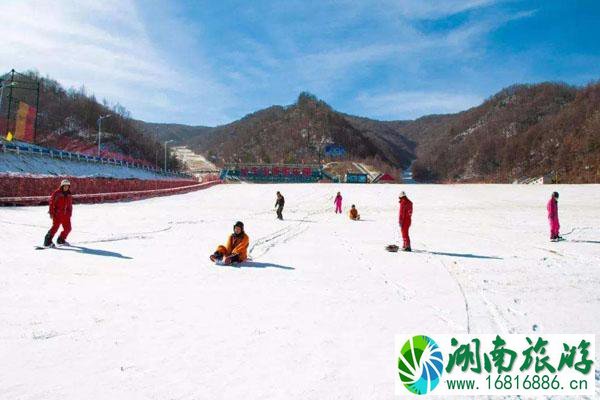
point(279, 212)
point(234, 259)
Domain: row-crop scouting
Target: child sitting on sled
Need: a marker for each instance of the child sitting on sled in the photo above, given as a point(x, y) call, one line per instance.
point(236, 249)
point(354, 215)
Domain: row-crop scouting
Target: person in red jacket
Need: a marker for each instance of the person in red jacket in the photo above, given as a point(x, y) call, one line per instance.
point(60, 210)
point(405, 218)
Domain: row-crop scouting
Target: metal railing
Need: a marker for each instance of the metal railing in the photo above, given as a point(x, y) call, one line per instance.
point(24, 149)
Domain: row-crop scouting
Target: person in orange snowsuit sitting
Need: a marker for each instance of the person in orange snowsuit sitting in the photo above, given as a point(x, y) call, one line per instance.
point(354, 215)
point(236, 249)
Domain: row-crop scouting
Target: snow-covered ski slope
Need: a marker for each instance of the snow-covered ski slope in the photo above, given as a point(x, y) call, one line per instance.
point(136, 310)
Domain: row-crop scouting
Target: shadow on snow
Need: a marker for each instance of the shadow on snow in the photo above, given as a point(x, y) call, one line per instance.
point(463, 255)
point(256, 264)
point(94, 252)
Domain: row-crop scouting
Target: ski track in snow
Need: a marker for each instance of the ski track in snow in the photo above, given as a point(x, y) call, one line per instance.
point(406, 293)
point(129, 236)
point(262, 245)
point(462, 292)
point(313, 315)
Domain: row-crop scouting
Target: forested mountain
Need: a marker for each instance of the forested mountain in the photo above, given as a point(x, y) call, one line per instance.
point(523, 131)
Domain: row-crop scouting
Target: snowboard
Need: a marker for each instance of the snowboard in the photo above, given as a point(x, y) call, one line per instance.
point(219, 263)
point(53, 246)
point(394, 249)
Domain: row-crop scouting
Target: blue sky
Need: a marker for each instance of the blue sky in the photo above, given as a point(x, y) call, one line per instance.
point(211, 62)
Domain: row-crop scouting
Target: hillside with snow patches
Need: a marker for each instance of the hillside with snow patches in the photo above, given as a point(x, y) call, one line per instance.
point(135, 310)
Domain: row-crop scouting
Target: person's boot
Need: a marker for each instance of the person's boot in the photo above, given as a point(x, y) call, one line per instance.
point(406, 249)
point(216, 256)
point(48, 240)
point(62, 241)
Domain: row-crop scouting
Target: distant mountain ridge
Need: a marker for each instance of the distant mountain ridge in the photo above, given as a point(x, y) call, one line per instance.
point(297, 133)
point(521, 132)
point(166, 131)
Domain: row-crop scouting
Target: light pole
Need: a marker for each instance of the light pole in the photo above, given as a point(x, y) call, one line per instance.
point(166, 143)
point(156, 150)
point(2, 86)
point(100, 129)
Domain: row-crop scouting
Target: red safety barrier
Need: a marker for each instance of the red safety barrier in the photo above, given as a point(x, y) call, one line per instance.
point(35, 191)
point(11, 186)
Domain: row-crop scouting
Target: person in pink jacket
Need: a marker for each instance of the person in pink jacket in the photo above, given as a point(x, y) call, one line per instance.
point(552, 208)
point(338, 203)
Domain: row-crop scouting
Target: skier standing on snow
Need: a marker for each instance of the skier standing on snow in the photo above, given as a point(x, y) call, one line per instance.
point(405, 219)
point(279, 204)
point(354, 215)
point(338, 203)
point(236, 249)
point(60, 210)
point(552, 208)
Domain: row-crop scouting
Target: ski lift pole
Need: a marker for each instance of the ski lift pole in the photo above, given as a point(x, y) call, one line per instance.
point(10, 86)
point(37, 108)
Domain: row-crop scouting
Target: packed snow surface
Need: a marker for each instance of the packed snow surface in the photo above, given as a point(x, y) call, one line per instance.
point(135, 310)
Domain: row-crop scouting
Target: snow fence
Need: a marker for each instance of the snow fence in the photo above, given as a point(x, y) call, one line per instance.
point(22, 190)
